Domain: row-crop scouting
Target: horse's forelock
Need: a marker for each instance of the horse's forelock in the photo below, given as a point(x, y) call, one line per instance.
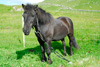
point(28, 7)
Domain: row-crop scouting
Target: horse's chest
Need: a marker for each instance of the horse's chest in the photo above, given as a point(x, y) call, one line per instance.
point(47, 31)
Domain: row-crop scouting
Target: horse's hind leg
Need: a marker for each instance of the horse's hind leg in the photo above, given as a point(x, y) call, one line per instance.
point(70, 42)
point(64, 45)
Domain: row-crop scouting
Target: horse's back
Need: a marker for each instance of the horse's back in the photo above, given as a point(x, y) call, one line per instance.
point(68, 23)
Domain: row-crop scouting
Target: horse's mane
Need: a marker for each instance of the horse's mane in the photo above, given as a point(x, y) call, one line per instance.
point(43, 16)
point(44, 12)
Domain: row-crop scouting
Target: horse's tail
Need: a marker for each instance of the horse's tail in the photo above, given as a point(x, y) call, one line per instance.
point(74, 43)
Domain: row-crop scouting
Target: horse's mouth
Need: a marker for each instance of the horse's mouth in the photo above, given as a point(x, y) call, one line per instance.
point(26, 33)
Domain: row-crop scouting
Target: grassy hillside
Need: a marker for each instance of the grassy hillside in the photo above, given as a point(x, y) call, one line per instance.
point(4, 8)
point(86, 31)
point(75, 4)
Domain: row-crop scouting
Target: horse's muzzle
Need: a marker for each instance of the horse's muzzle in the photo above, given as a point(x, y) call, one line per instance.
point(26, 32)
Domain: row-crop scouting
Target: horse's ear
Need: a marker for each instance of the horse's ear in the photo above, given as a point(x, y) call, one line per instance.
point(36, 7)
point(23, 6)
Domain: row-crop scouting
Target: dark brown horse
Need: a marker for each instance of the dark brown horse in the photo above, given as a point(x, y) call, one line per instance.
point(48, 29)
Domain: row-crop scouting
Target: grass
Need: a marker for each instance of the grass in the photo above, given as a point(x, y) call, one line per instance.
point(86, 30)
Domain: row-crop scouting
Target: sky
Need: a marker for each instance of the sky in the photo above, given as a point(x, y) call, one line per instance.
point(19, 2)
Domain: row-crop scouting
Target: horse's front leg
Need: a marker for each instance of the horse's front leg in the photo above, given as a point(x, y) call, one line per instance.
point(48, 43)
point(42, 49)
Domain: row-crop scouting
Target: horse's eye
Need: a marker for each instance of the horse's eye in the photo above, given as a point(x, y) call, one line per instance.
point(32, 15)
point(22, 15)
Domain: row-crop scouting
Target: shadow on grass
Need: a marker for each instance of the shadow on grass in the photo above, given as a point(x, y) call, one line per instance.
point(36, 50)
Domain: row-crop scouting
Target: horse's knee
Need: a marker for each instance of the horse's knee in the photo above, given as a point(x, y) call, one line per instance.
point(48, 52)
point(70, 43)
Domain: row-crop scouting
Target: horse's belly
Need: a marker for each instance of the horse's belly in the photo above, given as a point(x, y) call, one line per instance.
point(60, 34)
point(58, 38)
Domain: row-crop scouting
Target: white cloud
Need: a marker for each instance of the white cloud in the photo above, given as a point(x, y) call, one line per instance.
point(30, 1)
point(19, 2)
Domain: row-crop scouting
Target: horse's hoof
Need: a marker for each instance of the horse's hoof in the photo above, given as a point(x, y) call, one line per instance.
point(71, 55)
point(65, 55)
point(43, 61)
point(49, 62)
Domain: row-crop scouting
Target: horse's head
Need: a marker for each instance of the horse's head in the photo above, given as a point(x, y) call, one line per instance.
point(29, 16)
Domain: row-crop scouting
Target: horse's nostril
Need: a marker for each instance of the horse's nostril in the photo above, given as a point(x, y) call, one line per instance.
point(23, 29)
point(27, 31)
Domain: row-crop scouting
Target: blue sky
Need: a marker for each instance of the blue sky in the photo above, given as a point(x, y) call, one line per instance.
point(19, 2)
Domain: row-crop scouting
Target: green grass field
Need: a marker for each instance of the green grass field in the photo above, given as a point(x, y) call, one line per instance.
point(86, 31)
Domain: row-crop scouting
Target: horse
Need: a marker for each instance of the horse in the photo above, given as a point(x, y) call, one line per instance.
point(48, 29)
